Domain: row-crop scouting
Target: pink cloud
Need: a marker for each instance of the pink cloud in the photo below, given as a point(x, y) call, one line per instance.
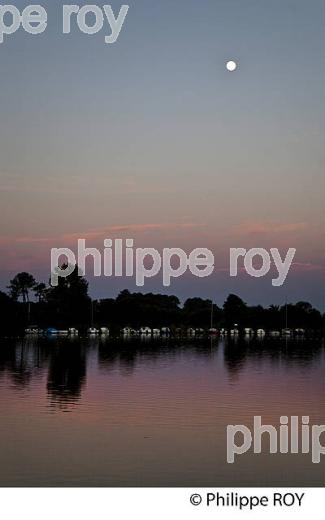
point(98, 233)
point(307, 266)
point(266, 228)
point(130, 228)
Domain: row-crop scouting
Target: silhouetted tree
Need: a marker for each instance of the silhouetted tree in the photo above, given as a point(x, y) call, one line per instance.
point(68, 303)
point(235, 311)
point(9, 315)
point(21, 285)
point(197, 313)
point(40, 291)
point(154, 310)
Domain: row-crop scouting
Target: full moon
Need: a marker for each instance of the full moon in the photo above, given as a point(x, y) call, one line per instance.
point(231, 66)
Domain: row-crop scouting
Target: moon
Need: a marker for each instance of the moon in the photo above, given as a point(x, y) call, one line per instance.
point(231, 66)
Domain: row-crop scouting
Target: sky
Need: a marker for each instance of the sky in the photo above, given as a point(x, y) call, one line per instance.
point(151, 138)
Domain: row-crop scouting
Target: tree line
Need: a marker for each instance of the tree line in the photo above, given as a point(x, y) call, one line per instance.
point(29, 302)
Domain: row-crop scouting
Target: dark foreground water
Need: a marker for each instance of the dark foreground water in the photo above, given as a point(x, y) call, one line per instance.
point(108, 413)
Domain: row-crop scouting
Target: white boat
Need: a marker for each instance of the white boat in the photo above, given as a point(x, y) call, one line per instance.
point(191, 332)
point(63, 333)
point(127, 332)
point(156, 332)
point(33, 331)
point(56, 332)
point(145, 331)
point(287, 332)
point(51, 332)
point(92, 331)
point(73, 332)
point(260, 332)
point(249, 332)
point(104, 331)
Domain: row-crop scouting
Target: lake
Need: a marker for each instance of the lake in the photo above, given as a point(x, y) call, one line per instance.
point(103, 412)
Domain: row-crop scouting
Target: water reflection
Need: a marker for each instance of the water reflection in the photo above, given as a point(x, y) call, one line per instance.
point(65, 360)
point(126, 356)
point(137, 409)
point(66, 374)
point(23, 361)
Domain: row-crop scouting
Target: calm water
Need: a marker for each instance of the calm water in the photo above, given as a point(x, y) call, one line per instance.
point(105, 413)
